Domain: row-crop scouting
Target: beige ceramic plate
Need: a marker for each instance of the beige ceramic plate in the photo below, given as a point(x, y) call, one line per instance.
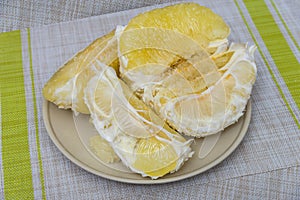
point(71, 135)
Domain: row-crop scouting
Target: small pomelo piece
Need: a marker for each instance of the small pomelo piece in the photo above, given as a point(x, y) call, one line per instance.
point(103, 150)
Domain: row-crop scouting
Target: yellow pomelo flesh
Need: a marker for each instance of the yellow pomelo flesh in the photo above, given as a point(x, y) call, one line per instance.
point(190, 19)
point(154, 157)
point(164, 39)
point(59, 89)
point(216, 108)
point(136, 133)
point(141, 57)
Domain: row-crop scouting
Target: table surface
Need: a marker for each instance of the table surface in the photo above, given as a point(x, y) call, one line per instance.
point(264, 166)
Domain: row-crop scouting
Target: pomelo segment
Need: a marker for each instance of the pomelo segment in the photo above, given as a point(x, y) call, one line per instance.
point(137, 135)
point(63, 89)
point(220, 105)
point(195, 22)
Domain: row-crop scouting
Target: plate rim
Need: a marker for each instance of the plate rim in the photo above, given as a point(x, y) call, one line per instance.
point(79, 163)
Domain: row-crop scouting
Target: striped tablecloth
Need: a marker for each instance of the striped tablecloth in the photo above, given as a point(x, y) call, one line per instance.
point(264, 166)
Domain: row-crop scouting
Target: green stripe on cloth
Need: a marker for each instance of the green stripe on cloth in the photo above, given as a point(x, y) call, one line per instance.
point(15, 147)
point(281, 53)
point(285, 25)
point(36, 119)
point(268, 66)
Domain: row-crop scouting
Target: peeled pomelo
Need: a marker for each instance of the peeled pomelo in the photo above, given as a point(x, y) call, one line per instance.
point(177, 73)
point(138, 136)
